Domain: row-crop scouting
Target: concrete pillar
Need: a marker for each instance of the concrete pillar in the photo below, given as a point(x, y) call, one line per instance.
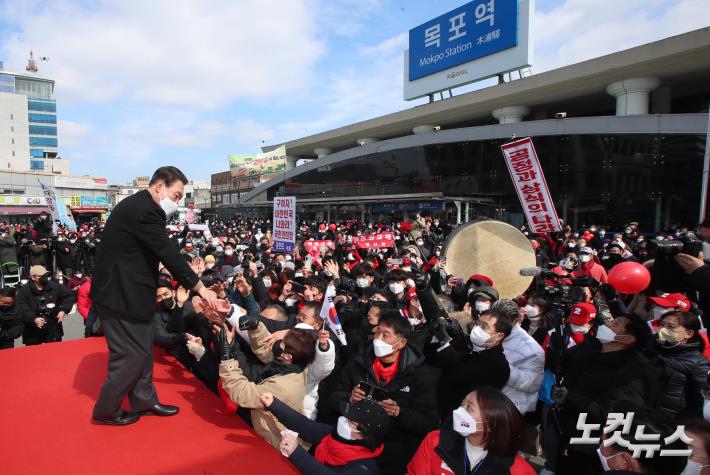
point(510, 115)
point(291, 161)
point(322, 152)
point(467, 212)
point(458, 211)
point(632, 94)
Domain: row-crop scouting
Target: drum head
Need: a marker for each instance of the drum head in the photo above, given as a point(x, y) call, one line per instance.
point(492, 248)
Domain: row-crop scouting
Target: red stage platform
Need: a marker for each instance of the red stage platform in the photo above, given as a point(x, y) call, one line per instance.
point(46, 399)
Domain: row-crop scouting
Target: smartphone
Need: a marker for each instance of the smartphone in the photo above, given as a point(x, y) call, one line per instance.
point(373, 392)
point(297, 287)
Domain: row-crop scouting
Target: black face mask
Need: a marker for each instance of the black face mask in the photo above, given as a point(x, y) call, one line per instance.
point(44, 280)
point(168, 303)
point(276, 350)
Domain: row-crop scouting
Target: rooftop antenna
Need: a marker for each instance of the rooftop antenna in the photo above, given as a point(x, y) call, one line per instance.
point(32, 65)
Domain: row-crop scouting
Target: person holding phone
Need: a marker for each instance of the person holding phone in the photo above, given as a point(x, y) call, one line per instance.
point(401, 384)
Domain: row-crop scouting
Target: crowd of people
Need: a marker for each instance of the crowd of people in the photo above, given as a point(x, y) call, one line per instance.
point(349, 357)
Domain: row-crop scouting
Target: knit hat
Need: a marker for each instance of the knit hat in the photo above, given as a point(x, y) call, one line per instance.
point(372, 420)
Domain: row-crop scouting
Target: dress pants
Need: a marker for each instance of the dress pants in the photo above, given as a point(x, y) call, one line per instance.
point(130, 364)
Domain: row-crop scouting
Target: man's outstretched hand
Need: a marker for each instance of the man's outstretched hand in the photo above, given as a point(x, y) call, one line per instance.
point(209, 297)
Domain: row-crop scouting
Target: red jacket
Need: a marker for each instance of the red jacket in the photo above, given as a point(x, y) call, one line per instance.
point(428, 462)
point(83, 301)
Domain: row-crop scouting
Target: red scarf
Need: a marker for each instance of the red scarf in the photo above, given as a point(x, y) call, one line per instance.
point(335, 454)
point(230, 407)
point(384, 372)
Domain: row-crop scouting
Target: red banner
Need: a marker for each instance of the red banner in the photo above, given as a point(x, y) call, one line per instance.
point(318, 248)
point(529, 181)
point(374, 241)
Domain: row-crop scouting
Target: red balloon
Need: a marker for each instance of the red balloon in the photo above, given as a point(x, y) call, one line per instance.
point(629, 277)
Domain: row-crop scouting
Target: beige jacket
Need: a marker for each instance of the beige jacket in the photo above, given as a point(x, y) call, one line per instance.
point(289, 388)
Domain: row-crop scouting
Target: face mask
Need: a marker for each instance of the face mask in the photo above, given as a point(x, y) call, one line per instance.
point(571, 245)
point(605, 334)
point(60, 239)
point(241, 236)
point(396, 288)
point(44, 279)
point(291, 302)
point(167, 304)
point(382, 348)
point(482, 306)
point(298, 274)
point(79, 276)
point(420, 243)
point(602, 233)
point(627, 231)
point(362, 282)
point(267, 282)
point(436, 223)
point(605, 460)
point(579, 328)
point(479, 338)
point(532, 312)
point(168, 205)
point(437, 253)
point(667, 337)
point(276, 350)
point(693, 468)
point(209, 266)
point(220, 249)
point(343, 428)
point(288, 257)
point(585, 258)
point(73, 241)
point(463, 423)
point(593, 229)
point(228, 252)
point(304, 326)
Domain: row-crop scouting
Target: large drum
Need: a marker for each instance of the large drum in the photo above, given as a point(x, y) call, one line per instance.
point(492, 248)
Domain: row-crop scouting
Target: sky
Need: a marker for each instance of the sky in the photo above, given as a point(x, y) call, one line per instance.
point(141, 84)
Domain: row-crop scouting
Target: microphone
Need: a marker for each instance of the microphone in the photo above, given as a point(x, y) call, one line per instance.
point(531, 271)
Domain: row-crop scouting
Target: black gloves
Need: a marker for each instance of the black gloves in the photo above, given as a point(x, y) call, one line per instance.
point(179, 339)
point(558, 394)
point(438, 328)
point(247, 322)
point(421, 281)
point(222, 346)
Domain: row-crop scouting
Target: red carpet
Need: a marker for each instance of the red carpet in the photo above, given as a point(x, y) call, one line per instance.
point(46, 399)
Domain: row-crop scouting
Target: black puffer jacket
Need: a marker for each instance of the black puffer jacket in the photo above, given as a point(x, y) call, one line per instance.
point(413, 388)
point(687, 378)
point(10, 327)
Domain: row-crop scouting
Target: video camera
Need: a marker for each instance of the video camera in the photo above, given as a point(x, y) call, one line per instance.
point(687, 243)
point(666, 274)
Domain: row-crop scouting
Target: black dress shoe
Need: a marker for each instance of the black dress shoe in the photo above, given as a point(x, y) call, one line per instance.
point(160, 410)
point(122, 419)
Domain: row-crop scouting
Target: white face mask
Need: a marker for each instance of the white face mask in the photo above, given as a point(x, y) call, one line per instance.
point(585, 258)
point(532, 312)
point(579, 328)
point(267, 283)
point(168, 205)
point(288, 257)
point(605, 460)
point(73, 241)
point(396, 288)
point(362, 282)
point(304, 326)
point(297, 275)
point(479, 338)
point(382, 348)
point(228, 252)
point(656, 312)
point(605, 334)
point(482, 306)
point(209, 266)
point(693, 468)
point(291, 302)
point(220, 249)
point(343, 428)
point(463, 422)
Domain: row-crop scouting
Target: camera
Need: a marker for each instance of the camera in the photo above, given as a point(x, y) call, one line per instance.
point(687, 243)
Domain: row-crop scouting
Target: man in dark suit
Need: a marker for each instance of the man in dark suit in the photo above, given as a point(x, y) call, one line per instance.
point(123, 290)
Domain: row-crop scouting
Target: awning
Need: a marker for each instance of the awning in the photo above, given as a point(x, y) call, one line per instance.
point(15, 210)
point(89, 210)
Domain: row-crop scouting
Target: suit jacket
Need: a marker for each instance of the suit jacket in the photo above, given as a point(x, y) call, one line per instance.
point(134, 241)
